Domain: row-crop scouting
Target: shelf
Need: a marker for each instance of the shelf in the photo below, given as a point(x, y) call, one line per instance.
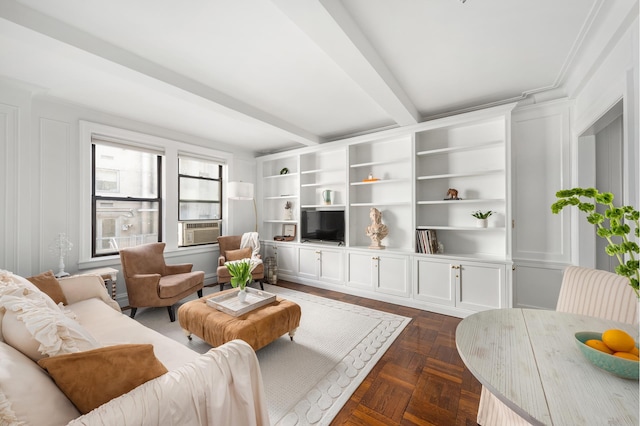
point(308, 172)
point(379, 163)
point(392, 203)
point(466, 201)
point(279, 176)
point(281, 197)
point(460, 148)
point(461, 228)
point(466, 174)
point(279, 221)
point(377, 182)
point(324, 206)
point(479, 257)
point(309, 185)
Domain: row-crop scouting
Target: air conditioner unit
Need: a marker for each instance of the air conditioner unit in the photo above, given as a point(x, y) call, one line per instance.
point(194, 233)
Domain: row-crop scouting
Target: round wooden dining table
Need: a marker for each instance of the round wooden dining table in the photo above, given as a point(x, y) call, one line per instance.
point(528, 358)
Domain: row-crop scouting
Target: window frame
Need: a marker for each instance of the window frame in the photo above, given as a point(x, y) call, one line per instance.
point(97, 198)
point(219, 179)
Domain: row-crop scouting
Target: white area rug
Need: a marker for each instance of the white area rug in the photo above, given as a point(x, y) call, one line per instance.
point(307, 381)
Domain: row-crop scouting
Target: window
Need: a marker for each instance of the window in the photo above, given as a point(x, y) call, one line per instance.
point(126, 197)
point(199, 189)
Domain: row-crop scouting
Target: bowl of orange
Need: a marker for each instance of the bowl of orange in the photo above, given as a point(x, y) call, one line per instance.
point(614, 351)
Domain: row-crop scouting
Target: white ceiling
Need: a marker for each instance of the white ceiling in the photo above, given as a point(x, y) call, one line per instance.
point(268, 75)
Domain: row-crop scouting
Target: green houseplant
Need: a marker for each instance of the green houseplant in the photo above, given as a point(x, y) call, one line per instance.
point(482, 215)
point(240, 271)
point(613, 225)
point(482, 218)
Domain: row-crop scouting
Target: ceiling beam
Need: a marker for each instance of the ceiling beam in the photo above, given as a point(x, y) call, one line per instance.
point(329, 25)
point(43, 24)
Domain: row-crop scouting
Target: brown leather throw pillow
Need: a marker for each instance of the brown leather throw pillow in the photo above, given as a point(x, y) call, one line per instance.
point(244, 253)
point(92, 378)
point(48, 284)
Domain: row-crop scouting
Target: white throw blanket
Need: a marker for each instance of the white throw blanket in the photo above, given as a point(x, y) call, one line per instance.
point(252, 240)
point(222, 387)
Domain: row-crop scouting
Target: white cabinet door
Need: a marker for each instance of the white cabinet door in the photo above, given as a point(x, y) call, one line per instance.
point(321, 264)
point(360, 270)
point(331, 266)
point(480, 286)
point(380, 272)
point(392, 274)
point(435, 282)
point(308, 259)
point(286, 259)
point(285, 255)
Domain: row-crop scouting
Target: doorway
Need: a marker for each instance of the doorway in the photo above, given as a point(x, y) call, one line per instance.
point(602, 166)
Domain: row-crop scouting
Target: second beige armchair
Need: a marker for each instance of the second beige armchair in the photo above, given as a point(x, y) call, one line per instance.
point(230, 250)
point(152, 283)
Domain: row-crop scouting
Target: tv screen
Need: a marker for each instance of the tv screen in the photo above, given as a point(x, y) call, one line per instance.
point(322, 225)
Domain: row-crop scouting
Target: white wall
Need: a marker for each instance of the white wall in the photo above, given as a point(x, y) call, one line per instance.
point(613, 77)
point(41, 172)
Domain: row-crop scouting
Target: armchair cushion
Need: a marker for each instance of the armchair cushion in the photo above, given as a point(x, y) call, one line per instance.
point(91, 378)
point(48, 283)
point(173, 285)
point(244, 253)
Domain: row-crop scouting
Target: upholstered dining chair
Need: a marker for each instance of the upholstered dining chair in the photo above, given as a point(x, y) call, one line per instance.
point(583, 291)
point(152, 283)
point(230, 250)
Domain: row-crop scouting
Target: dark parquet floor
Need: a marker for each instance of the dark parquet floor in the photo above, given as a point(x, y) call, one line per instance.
point(420, 380)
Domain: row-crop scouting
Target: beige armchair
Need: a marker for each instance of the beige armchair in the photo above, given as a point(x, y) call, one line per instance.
point(152, 283)
point(230, 250)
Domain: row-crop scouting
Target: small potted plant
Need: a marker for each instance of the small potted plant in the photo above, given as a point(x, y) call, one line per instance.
point(481, 218)
point(240, 271)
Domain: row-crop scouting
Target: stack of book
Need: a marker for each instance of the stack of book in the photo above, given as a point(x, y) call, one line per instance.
point(426, 241)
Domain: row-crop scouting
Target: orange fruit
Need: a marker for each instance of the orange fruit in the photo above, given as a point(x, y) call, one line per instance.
point(599, 345)
point(618, 340)
point(627, 355)
point(635, 352)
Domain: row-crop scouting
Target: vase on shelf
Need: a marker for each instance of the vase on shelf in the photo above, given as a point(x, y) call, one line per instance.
point(482, 223)
point(326, 197)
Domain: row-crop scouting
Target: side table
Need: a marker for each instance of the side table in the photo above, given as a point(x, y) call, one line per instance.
point(107, 274)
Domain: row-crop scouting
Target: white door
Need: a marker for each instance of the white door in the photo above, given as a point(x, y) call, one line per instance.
point(286, 259)
point(480, 286)
point(435, 282)
point(308, 262)
point(360, 271)
point(331, 266)
point(393, 275)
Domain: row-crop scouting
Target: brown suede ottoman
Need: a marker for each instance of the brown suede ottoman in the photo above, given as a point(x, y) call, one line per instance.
point(258, 327)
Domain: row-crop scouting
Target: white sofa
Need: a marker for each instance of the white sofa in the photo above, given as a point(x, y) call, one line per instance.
point(223, 386)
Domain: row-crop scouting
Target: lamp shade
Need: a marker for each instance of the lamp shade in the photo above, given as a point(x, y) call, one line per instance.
point(240, 191)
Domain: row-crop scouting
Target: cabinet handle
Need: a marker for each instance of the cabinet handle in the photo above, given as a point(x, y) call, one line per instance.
point(318, 252)
point(375, 258)
point(455, 267)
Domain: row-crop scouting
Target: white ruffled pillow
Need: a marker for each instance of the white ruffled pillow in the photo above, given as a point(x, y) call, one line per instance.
point(36, 326)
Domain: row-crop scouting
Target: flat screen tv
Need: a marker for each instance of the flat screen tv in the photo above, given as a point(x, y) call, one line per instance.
point(322, 225)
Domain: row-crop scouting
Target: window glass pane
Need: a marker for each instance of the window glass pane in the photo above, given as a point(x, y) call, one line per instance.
point(199, 189)
point(121, 224)
point(199, 211)
point(125, 173)
point(107, 180)
point(200, 168)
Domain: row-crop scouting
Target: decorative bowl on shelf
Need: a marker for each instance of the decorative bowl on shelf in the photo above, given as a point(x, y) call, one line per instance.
point(621, 367)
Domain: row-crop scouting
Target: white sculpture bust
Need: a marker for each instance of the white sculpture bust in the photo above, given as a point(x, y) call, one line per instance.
point(377, 231)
